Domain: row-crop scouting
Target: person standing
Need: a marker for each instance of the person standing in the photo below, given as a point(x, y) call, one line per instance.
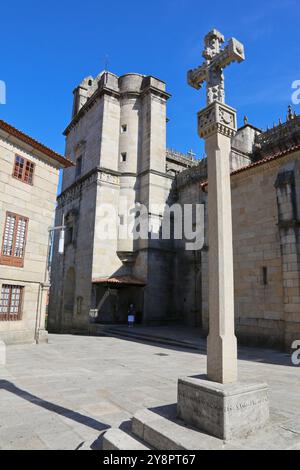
point(131, 316)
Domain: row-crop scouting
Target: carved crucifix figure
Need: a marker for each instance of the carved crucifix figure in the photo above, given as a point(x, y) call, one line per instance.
point(216, 59)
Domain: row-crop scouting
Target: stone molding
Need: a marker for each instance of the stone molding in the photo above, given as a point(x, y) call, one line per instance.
point(107, 177)
point(96, 176)
point(117, 94)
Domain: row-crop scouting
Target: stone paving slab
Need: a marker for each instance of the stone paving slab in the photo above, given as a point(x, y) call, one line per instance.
point(66, 393)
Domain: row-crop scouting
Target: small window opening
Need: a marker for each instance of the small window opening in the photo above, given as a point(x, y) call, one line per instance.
point(124, 128)
point(265, 275)
point(78, 168)
point(123, 157)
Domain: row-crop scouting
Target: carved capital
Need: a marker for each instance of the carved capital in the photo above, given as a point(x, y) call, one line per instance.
point(217, 118)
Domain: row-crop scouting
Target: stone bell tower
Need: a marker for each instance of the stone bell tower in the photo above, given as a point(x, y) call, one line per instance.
point(117, 142)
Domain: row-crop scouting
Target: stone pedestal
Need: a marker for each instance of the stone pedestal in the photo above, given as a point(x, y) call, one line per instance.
point(2, 353)
point(226, 411)
point(42, 336)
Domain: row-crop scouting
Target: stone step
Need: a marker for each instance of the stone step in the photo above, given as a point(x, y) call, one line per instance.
point(120, 332)
point(169, 433)
point(116, 439)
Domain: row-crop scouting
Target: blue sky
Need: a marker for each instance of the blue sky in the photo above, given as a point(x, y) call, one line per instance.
point(48, 47)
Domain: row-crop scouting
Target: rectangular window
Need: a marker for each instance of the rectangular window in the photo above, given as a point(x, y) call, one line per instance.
point(23, 170)
point(11, 302)
point(265, 275)
point(14, 240)
point(123, 128)
point(78, 168)
point(123, 157)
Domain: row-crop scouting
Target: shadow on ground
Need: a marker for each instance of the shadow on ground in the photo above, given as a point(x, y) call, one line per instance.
point(60, 410)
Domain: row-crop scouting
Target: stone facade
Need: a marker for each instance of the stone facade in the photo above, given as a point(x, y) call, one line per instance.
point(117, 136)
point(265, 213)
point(34, 201)
point(118, 131)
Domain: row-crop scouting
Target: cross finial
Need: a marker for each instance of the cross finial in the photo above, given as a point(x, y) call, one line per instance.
point(217, 59)
point(191, 154)
point(290, 114)
point(212, 41)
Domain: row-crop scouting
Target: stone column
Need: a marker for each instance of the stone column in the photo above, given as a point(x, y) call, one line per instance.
point(217, 403)
point(217, 124)
point(42, 333)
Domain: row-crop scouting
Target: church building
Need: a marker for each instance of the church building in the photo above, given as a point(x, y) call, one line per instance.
point(117, 142)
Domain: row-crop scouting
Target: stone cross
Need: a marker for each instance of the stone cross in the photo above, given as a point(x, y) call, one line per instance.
point(218, 404)
point(191, 154)
point(217, 59)
point(217, 125)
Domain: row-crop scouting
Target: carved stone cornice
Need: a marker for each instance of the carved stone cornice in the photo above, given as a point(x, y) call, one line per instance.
point(97, 176)
point(217, 118)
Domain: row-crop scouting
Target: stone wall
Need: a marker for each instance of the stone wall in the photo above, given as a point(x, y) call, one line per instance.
point(266, 254)
point(256, 251)
point(119, 130)
point(37, 202)
point(81, 200)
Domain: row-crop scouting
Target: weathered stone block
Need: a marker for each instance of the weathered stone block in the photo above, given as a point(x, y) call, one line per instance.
point(225, 411)
point(42, 336)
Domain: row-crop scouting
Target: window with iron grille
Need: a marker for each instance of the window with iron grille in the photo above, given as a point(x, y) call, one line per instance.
point(11, 302)
point(23, 170)
point(14, 240)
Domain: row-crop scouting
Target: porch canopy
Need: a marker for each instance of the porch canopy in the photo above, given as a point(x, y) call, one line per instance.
point(119, 281)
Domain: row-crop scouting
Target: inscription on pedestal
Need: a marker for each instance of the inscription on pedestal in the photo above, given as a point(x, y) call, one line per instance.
point(225, 411)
